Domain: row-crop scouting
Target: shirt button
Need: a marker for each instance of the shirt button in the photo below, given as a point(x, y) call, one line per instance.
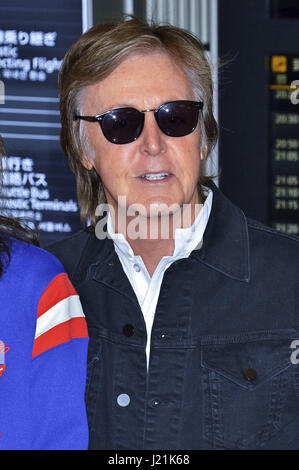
point(250, 374)
point(136, 267)
point(128, 330)
point(123, 400)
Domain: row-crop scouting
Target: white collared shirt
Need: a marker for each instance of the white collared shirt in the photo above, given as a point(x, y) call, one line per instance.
point(147, 288)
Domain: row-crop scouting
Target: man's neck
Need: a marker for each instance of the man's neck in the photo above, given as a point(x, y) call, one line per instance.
point(156, 236)
point(152, 251)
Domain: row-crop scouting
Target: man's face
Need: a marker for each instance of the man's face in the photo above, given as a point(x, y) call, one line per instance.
point(144, 82)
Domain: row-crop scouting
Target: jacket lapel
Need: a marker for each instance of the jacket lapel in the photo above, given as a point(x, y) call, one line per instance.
point(225, 246)
point(101, 263)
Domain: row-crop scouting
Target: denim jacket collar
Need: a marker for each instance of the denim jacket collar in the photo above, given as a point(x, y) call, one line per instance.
point(225, 246)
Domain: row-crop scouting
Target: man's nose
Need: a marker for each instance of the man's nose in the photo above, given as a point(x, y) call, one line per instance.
point(152, 139)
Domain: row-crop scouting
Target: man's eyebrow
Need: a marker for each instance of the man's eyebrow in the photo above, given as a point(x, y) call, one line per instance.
point(119, 105)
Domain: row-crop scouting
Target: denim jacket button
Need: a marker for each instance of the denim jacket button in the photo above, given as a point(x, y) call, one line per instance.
point(250, 374)
point(128, 330)
point(123, 399)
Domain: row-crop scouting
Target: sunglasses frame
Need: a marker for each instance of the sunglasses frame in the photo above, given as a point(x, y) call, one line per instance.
point(99, 118)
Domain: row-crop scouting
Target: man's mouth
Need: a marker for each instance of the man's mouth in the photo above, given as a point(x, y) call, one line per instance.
point(155, 176)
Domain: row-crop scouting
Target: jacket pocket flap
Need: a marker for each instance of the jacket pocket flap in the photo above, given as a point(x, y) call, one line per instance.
point(247, 363)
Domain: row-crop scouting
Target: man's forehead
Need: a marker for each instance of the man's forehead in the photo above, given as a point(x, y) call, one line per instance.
point(144, 69)
point(139, 89)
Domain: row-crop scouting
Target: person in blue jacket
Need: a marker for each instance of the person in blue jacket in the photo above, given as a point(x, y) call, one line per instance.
point(43, 347)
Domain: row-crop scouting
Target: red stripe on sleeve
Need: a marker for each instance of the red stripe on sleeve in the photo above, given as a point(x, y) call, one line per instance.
point(60, 288)
point(62, 333)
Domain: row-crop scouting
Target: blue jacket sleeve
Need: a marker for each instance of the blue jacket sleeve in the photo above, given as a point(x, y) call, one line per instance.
point(57, 397)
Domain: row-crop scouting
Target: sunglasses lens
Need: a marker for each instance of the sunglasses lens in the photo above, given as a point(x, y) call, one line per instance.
point(177, 118)
point(122, 125)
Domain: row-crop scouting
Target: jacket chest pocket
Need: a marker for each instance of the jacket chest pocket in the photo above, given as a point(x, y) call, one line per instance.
point(246, 386)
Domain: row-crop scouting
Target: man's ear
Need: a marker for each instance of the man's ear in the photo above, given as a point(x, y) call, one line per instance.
point(203, 153)
point(87, 163)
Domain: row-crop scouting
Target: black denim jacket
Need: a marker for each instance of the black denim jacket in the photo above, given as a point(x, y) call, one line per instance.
point(223, 373)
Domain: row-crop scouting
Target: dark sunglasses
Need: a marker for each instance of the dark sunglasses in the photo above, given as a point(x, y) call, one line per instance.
point(124, 125)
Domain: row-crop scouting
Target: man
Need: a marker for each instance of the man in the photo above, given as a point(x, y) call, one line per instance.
point(191, 334)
